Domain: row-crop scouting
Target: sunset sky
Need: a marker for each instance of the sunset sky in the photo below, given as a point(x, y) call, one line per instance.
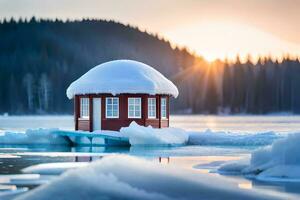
point(211, 28)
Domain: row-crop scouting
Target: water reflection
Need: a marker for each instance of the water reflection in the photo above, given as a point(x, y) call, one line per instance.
point(245, 185)
point(62, 148)
point(100, 149)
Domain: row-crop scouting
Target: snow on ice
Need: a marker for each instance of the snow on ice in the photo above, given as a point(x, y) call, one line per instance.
point(32, 136)
point(122, 76)
point(278, 162)
point(209, 137)
point(53, 168)
point(140, 135)
point(111, 178)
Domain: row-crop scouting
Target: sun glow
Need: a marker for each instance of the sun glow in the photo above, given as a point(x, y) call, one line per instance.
point(227, 40)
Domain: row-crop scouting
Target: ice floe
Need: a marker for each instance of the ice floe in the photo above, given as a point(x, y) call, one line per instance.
point(24, 179)
point(32, 136)
point(140, 135)
point(278, 162)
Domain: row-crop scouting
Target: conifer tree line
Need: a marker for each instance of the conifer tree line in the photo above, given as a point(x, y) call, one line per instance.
point(40, 58)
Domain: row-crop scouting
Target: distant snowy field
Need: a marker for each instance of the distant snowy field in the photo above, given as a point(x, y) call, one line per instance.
point(236, 124)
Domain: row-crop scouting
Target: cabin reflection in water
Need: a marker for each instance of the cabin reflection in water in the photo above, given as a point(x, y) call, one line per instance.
point(164, 160)
point(87, 158)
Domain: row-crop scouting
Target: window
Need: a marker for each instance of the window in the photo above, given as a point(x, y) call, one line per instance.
point(163, 107)
point(112, 107)
point(152, 108)
point(84, 108)
point(134, 107)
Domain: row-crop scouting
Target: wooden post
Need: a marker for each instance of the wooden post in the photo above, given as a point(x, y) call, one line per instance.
point(76, 111)
point(144, 108)
point(159, 111)
point(168, 109)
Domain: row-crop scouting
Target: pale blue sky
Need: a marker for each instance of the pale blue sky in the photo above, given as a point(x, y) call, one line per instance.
point(213, 28)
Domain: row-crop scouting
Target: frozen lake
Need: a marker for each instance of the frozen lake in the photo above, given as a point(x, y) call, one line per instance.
point(196, 159)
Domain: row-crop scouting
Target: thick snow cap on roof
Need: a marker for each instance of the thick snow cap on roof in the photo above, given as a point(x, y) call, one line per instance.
point(122, 76)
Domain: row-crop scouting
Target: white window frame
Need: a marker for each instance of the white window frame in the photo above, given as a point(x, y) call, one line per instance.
point(151, 108)
point(134, 105)
point(163, 108)
point(111, 105)
point(84, 108)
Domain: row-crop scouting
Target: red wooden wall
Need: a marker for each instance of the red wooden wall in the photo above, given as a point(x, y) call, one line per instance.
point(123, 120)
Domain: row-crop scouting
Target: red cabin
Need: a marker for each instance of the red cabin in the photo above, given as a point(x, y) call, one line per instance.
point(112, 95)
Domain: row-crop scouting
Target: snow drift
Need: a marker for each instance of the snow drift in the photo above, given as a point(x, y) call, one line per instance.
point(125, 177)
point(122, 76)
point(279, 162)
point(53, 168)
point(140, 135)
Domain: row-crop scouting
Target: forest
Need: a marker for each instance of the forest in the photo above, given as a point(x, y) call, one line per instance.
point(39, 59)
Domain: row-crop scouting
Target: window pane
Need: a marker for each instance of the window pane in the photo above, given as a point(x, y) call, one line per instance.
point(115, 113)
point(137, 107)
point(112, 107)
point(137, 113)
point(151, 107)
point(115, 101)
point(163, 108)
point(84, 107)
point(134, 107)
point(130, 101)
point(115, 107)
point(131, 113)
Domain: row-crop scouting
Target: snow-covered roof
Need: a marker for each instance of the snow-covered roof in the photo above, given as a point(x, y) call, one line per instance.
point(122, 76)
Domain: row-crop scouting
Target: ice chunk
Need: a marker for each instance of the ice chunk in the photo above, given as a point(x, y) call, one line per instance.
point(140, 135)
point(32, 136)
point(233, 167)
point(286, 173)
point(278, 162)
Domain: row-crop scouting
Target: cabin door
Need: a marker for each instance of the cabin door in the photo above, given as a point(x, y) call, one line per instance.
point(96, 113)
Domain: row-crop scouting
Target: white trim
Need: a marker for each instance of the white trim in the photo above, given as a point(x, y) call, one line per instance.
point(112, 116)
point(163, 106)
point(149, 106)
point(134, 106)
point(97, 113)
